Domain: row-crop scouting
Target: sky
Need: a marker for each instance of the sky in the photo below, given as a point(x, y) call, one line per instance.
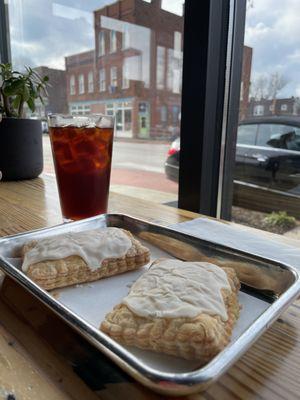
point(43, 32)
point(273, 31)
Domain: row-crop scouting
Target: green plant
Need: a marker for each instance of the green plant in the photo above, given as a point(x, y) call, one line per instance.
point(280, 219)
point(18, 88)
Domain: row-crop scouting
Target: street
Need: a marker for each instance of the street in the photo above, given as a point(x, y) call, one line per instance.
point(137, 169)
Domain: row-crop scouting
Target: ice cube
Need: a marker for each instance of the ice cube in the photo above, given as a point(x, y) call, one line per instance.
point(104, 122)
point(62, 150)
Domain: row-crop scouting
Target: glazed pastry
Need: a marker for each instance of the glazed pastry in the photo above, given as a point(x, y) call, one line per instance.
point(79, 257)
point(185, 309)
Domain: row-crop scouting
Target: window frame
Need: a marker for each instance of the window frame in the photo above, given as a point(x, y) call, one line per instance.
point(101, 43)
point(113, 78)
point(113, 44)
point(81, 84)
point(213, 48)
point(102, 80)
point(91, 82)
point(72, 84)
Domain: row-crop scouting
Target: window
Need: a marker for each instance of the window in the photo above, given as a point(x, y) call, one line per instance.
point(113, 77)
point(164, 115)
point(126, 37)
point(279, 136)
point(102, 80)
point(242, 92)
point(258, 110)
point(125, 75)
point(90, 82)
point(272, 108)
point(160, 68)
point(81, 84)
point(102, 58)
point(113, 41)
point(174, 70)
point(247, 134)
point(283, 107)
point(101, 43)
point(80, 109)
point(72, 85)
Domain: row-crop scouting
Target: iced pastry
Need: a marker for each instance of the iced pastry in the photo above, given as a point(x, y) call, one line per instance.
point(78, 257)
point(185, 309)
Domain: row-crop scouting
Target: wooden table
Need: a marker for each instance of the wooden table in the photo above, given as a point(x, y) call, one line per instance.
point(35, 365)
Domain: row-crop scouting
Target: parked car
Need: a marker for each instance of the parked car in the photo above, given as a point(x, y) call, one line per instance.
point(267, 153)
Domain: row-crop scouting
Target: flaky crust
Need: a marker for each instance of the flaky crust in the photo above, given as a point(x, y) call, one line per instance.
point(73, 270)
point(199, 338)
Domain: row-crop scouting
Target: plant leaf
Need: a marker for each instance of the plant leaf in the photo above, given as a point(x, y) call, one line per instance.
point(11, 88)
point(31, 104)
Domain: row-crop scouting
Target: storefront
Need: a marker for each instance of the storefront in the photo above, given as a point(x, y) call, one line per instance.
point(123, 114)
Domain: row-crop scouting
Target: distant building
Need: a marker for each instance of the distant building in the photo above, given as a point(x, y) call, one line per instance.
point(135, 70)
point(268, 107)
point(245, 82)
point(56, 102)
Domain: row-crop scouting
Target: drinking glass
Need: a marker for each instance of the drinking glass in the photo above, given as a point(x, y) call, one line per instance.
point(82, 150)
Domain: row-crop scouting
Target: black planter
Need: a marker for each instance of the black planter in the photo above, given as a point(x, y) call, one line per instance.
point(21, 148)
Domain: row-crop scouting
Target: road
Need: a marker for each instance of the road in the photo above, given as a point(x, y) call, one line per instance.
point(141, 156)
point(134, 164)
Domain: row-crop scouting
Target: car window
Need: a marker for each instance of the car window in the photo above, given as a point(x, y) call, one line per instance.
point(247, 134)
point(279, 136)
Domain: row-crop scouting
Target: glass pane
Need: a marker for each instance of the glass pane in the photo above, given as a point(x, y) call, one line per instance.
point(267, 173)
point(123, 58)
point(246, 134)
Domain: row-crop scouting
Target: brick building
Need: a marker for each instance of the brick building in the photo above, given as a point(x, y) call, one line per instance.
point(245, 82)
point(56, 102)
point(134, 71)
point(268, 107)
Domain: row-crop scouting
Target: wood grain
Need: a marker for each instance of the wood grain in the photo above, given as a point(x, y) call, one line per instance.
point(269, 370)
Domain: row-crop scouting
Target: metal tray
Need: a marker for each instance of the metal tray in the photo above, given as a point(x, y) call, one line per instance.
point(268, 287)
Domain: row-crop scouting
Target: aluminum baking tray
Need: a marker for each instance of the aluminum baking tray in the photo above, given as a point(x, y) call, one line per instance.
point(268, 287)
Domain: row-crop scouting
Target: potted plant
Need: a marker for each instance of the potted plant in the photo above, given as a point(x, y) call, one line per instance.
point(21, 151)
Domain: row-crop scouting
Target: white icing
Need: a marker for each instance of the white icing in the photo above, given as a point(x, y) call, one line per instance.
point(92, 246)
point(174, 289)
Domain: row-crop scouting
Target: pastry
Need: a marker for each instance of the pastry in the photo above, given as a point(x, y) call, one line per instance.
point(80, 257)
point(185, 309)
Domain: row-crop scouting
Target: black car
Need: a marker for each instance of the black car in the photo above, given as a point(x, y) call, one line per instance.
point(267, 153)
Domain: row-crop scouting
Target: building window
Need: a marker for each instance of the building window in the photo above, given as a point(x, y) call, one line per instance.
point(174, 71)
point(113, 41)
point(164, 115)
point(283, 107)
point(113, 77)
point(271, 108)
point(80, 109)
point(102, 80)
point(125, 38)
point(72, 85)
point(160, 67)
point(242, 91)
point(101, 44)
point(259, 110)
point(125, 73)
point(81, 84)
point(91, 82)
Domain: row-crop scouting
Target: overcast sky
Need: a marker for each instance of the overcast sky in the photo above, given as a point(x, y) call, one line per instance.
point(43, 32)
point(273, 31)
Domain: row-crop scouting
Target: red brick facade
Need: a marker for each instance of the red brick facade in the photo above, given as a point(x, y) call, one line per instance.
point(245, 82)
point(141, 42)
point(142, 108)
